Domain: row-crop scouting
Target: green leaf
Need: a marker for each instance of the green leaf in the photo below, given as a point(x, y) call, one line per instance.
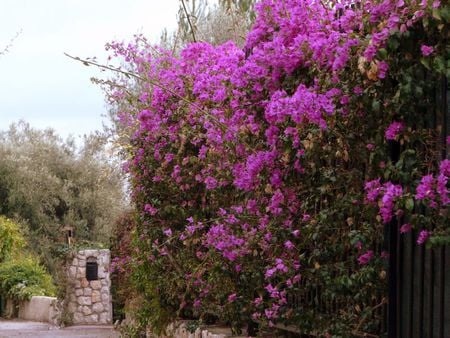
point(436, 14)
point(409, 204)
point(376, 105)
point(426, 62)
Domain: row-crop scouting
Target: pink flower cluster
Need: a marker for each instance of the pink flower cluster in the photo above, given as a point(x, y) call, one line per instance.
point(216, 134)
point(431, 187)
point(388, 192)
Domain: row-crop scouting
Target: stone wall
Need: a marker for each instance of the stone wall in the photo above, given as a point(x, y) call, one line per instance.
point(180, 330)
point(40, 309)
point(89, 302)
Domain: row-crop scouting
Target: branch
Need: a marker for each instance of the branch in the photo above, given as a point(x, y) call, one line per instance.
point(137, 77)
point(189, 21)
point(10, 43)
point(214, 119)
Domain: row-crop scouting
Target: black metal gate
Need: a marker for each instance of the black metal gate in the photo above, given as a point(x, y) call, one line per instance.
point(419, 278)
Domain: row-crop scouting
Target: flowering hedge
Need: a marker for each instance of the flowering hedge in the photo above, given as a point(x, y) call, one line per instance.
point(259, 173)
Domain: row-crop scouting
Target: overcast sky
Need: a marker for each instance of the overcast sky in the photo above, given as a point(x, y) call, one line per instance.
point(41, 85)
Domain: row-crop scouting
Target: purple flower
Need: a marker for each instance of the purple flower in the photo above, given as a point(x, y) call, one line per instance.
point(289, 245)
point(270, 272)
point(441, 188)
point(232, 298)
point(444, 168)
point(372, 189)
point(394, 130)
point(425, 188)
point(150, 209)
point(168, 232)
point(383, 67)
point(211, 183)
point(423, 236)
point(365, 258)
point(391, 191)
point(426, 50)
point(405, 228)
point(306, 217)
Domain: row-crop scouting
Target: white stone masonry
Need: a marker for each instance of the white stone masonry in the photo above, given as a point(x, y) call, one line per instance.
point(89, 302)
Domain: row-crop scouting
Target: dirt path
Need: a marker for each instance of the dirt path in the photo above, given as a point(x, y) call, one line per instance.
point(18, 328)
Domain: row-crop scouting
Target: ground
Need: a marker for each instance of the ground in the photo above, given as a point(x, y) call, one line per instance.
point(20, 328)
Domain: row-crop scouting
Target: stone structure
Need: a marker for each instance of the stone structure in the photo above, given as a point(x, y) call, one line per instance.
point(88, 288)
point(40, 309)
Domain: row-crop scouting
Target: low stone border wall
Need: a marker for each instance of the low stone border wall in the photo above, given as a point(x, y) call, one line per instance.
point(40, 309)
point(179, 330)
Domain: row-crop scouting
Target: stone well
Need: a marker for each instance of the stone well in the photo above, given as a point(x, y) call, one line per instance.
point(88, 288)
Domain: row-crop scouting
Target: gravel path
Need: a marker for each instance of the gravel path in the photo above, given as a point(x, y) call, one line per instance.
point(18, 328)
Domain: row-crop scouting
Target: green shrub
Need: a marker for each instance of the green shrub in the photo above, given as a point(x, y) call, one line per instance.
point(11, 240)
point(23, 278)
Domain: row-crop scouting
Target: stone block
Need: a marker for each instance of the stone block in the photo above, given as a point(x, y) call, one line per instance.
point(82, 263)
point(78, 292)
point(72, 272)
point(75, 262)
point(91, 253)
point(84, 283)
point(78, 318)
point(95, 284)
point(98, 307)
point(101, 273)
point(96, 296)
point(92, 319)
point(72, 297)
point(72, 307)
point(105, 318)
point(105, 289)
point(83, 300)
point(81, 272)
point(105, 297)
point(77, 284)
point(87, 310)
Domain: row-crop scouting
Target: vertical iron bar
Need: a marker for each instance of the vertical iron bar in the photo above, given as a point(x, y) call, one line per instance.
point(393, 244)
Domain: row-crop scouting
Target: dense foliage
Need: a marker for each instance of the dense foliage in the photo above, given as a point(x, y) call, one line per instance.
point(122, 251)
point(21, 275)
point(20, 279)
point(47, 183)
point(11, 240)
point(259, 174)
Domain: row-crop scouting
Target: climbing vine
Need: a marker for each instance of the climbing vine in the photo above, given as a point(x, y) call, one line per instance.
point(263, 174)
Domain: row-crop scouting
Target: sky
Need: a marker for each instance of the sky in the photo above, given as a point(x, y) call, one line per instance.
point(42, 86)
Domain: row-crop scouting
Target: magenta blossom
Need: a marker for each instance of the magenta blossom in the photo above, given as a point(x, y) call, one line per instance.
point(405, 228)
point(232, 298)
point(365, 258)
point(426, 50)
point(425, 189)
point(423, 236)
point(394, 130)
point(289, 245)
point(150, 209)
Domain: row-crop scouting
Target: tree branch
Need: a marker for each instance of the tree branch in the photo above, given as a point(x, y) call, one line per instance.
point(189, 21)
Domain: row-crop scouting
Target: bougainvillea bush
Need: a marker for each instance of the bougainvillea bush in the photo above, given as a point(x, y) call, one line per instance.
point(263, 174)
